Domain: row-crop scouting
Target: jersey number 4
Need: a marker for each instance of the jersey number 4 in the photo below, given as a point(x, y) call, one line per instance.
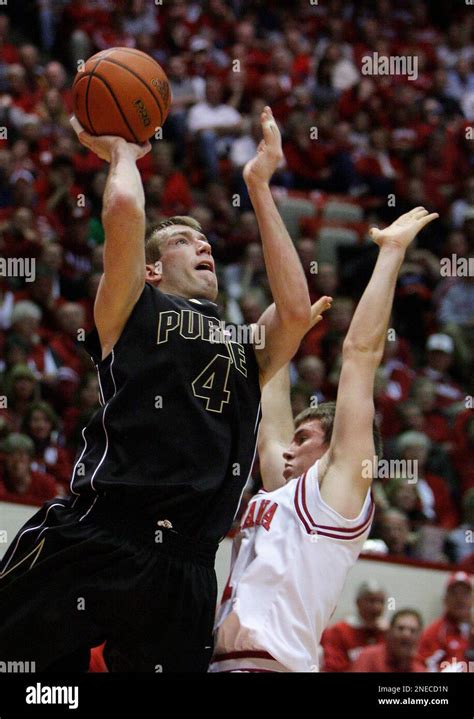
point(211, 383)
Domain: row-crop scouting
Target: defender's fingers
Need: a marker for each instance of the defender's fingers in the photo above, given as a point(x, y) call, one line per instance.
point(322, 304)
point(429, 218)
point(270, 129)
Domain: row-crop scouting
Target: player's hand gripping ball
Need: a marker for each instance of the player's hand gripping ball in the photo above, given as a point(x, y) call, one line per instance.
point(122, 92)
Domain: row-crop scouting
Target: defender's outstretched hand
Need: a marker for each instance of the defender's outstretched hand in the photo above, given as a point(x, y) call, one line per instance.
point(103, 145)
point(404, 230)
point(269, 152)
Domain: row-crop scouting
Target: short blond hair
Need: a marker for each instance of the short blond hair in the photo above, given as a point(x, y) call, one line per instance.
point(152, 242)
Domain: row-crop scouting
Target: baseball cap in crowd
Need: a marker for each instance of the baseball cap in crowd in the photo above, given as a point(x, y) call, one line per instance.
point(441, 342)
point(459, 578)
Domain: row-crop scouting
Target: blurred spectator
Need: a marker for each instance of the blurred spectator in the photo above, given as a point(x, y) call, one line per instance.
point(67, 348)
point(404, 496)
point(21, 388)
point(465, 204)
point(436, 502)
point(186, 91)
point(312, 372)
point(175, 196)
point(460, 542)
point(433, 422)
point(214, 123)
point(439, 355)
point(18, 482)
point(398, 653)
point(463, 450)
point(456, 314)
point(41, 424)
point(342, 642)
point(394, 530)
point(446, 639)
point(85, 402)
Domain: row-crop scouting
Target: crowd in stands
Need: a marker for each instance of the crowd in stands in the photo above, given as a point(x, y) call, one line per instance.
point(383, 145)
point(368, 642)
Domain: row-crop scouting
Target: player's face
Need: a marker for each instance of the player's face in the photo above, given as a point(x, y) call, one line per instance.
point(307, 446)
point(187, 266)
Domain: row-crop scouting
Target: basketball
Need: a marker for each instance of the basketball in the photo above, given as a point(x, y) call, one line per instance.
point(121, 92)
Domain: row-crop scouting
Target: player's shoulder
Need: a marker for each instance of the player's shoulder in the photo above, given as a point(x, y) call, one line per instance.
point(320, 518)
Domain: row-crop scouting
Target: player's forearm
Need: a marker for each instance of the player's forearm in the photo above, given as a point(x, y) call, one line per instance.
point(124, 188)
point(368, 329)
point(285, 273)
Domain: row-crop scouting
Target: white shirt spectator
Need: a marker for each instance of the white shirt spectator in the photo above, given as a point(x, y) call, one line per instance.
point(204, 116)
point(344, 75)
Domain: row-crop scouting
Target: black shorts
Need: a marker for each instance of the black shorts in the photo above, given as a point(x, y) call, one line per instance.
point(83, 572)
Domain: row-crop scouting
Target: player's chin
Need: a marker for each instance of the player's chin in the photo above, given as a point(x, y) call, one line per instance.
point(208, 288)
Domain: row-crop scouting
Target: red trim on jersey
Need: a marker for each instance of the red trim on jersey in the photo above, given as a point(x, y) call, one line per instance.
point(354, 532)
point(248, 670)
point(242, 655)
point(297, 507)
point(341, 536)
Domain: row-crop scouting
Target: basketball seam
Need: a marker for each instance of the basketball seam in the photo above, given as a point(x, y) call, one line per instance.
point(132, 72)
point(124, 117)
point(87, 96)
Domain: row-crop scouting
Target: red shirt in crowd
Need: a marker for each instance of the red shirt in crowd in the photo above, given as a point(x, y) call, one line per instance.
point(376, 659)
point(343, 642)
point(42, 488)
point(446, 512)
point(443, 640)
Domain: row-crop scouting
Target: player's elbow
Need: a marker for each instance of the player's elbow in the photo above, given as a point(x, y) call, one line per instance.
point(122, 204)
point(356, 349)
point(297, 318)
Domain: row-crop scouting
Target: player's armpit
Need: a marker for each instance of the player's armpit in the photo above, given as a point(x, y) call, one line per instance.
point(347, 473)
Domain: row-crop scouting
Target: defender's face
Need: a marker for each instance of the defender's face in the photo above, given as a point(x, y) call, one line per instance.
point(306, 447)
point(186, 264)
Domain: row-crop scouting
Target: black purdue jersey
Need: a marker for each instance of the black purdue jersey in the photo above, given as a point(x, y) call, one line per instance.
point(176, 431)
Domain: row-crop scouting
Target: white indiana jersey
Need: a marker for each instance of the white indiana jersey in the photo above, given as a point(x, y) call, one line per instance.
point(289, 564)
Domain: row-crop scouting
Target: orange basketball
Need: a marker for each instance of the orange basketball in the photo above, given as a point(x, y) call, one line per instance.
point(121, 92)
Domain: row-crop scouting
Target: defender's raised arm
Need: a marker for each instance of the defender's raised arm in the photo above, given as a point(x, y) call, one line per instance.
point(343, 484)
